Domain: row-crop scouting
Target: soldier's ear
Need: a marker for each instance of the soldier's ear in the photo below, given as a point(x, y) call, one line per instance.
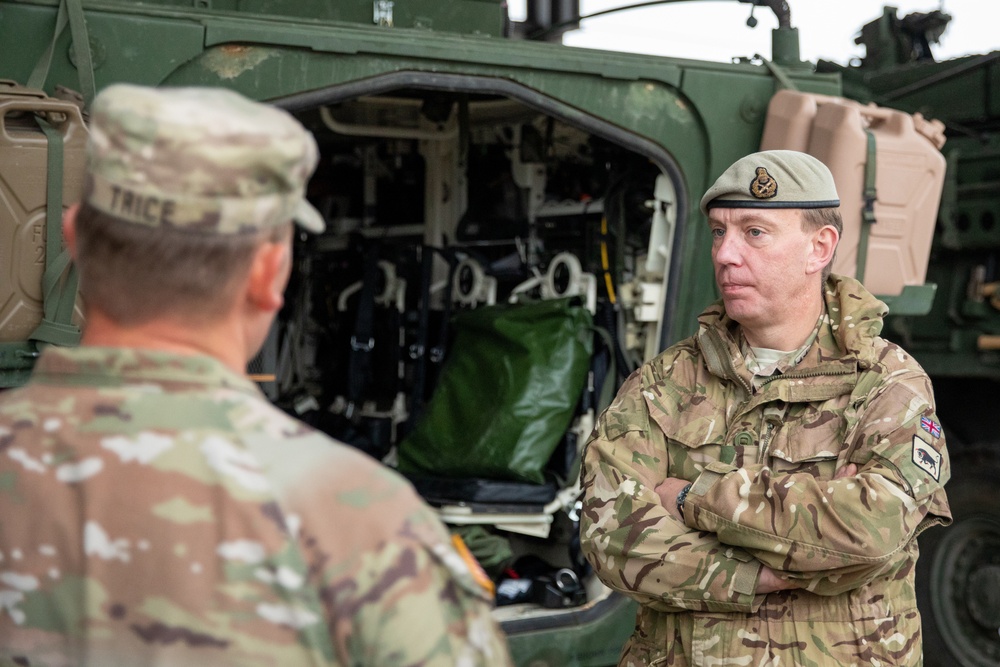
point(268, 275)
point(69, 228)
point(822, 246)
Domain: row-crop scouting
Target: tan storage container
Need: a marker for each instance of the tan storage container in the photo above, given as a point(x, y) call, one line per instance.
point(909, 177)
point(23, 176)
point(790, 116)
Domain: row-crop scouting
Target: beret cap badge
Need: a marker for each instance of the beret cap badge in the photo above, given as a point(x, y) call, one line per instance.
point(763, 186)
point(773, 179)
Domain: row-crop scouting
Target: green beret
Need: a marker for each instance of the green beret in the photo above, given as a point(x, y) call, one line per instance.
point(204, 160)
point(773, 179)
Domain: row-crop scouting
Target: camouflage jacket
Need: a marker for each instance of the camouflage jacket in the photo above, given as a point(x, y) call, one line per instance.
point(762, 463)
point(157, 510)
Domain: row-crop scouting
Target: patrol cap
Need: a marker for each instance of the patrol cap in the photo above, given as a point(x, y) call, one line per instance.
point(773, 179)
point(205, 160)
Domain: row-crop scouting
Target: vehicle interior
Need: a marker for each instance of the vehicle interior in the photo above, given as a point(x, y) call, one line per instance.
point(489, 275)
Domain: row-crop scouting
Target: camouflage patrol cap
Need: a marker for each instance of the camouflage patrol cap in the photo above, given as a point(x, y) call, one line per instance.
point(773, 179)
point(204, 160)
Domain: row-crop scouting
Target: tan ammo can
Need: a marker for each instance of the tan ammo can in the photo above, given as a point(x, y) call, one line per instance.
point(23, 195)
point(909, 176)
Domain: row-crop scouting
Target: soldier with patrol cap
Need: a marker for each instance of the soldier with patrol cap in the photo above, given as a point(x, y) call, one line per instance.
point(157, 510)
point(758, 487)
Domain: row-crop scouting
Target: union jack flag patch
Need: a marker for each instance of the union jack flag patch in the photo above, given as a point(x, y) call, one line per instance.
point(930, 426)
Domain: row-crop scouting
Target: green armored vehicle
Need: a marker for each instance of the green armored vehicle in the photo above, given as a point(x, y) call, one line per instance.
point(509, 219)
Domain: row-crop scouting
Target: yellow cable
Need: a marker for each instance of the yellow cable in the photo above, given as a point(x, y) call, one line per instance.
point(604, 260)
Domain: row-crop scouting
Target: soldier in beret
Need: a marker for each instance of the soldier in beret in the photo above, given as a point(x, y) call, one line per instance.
point(156, 509)
point(759, 487)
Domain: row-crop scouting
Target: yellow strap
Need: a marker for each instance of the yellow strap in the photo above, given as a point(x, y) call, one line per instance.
point(475, 569)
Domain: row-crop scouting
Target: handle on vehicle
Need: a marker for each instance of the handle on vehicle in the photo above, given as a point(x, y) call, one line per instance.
point(70, 115)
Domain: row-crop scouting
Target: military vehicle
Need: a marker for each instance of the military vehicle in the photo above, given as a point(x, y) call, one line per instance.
point(480, 182)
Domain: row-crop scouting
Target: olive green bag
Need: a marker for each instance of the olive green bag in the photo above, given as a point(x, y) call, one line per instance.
point(506, 395)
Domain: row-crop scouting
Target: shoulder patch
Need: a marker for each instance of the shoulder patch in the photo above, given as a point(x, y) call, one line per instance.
point(926, 457)
point(930, 426)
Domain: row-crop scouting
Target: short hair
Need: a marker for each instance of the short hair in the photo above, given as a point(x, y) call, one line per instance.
point(817, 218)
point(134, 273)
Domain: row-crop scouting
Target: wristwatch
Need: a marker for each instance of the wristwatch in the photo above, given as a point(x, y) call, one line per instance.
point(681, 497)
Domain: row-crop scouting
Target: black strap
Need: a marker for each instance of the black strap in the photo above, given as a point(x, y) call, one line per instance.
point(419, 352)
point(609, 387)
point(363, 341)
point(58, 294)
point(418, 349)
point(441, 347)
point(868, 208)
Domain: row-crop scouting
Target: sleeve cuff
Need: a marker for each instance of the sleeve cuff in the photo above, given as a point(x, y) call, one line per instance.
point(746, 576)
point(712, 473)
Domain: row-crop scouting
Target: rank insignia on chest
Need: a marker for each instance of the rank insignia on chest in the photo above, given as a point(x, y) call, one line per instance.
point(930, 426)
point(926, 457)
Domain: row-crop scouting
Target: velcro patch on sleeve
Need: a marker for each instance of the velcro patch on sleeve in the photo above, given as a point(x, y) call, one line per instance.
point(926, 457)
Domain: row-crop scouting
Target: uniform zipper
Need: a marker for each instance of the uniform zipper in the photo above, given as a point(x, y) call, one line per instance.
point(815, 372)
point(765, 442)
point(769, 433)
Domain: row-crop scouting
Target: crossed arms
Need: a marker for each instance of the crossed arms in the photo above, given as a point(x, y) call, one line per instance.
point(747, 531)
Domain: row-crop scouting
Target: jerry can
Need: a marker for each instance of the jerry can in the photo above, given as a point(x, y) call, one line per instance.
point(23, 197)
point(909, 176)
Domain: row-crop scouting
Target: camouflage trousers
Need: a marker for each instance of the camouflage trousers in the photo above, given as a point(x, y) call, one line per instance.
point(790, 629)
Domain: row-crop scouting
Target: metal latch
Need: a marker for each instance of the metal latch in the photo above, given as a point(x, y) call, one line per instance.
point(362, 346)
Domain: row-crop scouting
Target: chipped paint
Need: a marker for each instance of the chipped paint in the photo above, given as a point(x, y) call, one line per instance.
point(232, 60)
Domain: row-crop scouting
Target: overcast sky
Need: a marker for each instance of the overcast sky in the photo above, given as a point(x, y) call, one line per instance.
point(717, 30)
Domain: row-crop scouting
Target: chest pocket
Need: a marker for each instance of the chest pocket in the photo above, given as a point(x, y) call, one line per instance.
point(808, 438)
point(696, 430)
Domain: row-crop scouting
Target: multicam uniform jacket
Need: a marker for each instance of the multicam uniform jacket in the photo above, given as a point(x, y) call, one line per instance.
point(155, 510)
point(762, 457)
